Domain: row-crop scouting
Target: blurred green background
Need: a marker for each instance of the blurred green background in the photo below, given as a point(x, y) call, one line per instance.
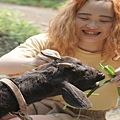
point(13, 29)
point(45, 3)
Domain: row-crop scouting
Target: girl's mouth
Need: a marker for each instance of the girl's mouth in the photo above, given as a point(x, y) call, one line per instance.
point(91, 33)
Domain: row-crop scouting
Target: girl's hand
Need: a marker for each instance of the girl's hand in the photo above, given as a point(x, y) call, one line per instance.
point(41, 59)
point(116, 79)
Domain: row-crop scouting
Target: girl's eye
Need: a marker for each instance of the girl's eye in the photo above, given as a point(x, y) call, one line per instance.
point(105, 21)
point(83, 18)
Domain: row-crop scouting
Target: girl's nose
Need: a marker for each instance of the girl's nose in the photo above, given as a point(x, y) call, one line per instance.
point(92, 25)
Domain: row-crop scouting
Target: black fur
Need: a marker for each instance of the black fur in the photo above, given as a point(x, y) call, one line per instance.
point(51, 80)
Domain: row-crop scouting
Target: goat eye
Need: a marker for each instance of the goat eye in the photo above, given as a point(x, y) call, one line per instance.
point(79, 63)
point(57, 60)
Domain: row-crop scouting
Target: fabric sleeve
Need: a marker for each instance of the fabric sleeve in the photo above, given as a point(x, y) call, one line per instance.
point(32, 46)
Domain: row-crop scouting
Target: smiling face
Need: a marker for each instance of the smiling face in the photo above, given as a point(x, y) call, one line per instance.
point(94, 21)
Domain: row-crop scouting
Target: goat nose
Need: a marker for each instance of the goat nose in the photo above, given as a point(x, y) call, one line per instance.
point(101, 75)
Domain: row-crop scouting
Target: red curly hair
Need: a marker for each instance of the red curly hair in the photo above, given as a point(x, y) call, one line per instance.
point(62, 33)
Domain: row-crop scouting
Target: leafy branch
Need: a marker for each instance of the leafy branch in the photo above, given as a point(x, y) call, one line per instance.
point(110, 72)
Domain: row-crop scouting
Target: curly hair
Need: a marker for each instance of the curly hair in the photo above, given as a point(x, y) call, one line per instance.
point(62, 33)
point(113, 41)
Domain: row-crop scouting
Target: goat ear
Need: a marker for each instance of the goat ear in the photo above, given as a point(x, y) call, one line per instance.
point(74, 97)
point(53, 56)
point(67, 65)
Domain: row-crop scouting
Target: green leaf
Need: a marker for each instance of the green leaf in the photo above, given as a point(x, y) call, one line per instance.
point(109, 72)
point(98, 86)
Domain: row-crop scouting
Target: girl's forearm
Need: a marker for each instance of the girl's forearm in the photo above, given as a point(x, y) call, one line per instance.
point(9, 65)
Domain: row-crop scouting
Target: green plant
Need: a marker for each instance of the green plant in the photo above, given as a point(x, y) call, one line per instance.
point(45, 3)
point(52, 3)
point(110, 72)
point(12, 25)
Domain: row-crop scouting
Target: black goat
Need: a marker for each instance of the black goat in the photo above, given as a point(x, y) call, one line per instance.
point(67, 76)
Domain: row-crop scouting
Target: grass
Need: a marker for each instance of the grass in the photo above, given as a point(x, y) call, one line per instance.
point(18, 27)
point(44, 3)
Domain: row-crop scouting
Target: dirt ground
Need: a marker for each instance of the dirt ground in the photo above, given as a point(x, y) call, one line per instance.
point(38, 15)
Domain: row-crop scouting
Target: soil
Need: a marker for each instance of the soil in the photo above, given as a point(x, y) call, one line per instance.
point(39, 16)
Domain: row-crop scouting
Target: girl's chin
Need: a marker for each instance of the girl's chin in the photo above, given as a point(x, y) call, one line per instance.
point(89, 40)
